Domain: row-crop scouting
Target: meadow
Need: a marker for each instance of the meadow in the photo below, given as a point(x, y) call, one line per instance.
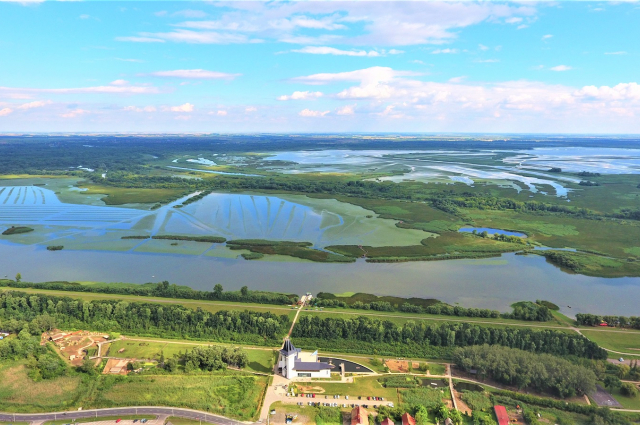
point(230, 394)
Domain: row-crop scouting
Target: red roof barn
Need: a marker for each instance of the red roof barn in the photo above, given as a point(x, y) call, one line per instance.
point(359, 416)
point(387, 422)
point(501, 414)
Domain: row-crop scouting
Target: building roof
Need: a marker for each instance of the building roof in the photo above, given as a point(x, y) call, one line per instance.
point(387, 422)
point(501, 414)
point(288, 348)
point(407, 419)
point(359, 416)
point(311, 366)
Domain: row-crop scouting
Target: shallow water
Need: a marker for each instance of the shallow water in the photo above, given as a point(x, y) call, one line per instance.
point(491, 231)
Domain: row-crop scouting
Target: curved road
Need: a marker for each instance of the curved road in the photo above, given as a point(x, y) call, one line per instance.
point(97, 413)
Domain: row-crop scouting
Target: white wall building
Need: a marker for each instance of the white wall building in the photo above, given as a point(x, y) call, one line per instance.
point(293, 363)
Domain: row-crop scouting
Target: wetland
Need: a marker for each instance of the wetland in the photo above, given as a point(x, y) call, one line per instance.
point(358, 216)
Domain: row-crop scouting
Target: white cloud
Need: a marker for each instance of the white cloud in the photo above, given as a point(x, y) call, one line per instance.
point(615, 53)
point(561, 68)
point(346, 110)
point(547, 36)
point(456, 80)
point(187, 107)
point(310, 113)
point(136, 109)
point(140, 39)
point(523, 26)
point(483, 47)
point(84, 16)
point(323, 50)
point(250, 109)
point(487, 60)
point(31, 105)
point(5, 111)
point(116, 87)
point(301, 95)
point(74, 113)
point(513, 20)
point(129, 60)
point(369, 23)
point(222, 113)
point(199, 74)
point(368, 75)
point(444, 51)
point(620, 92)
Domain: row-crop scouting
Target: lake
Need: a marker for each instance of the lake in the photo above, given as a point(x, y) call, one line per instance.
point(483, 283)
point(491, 231)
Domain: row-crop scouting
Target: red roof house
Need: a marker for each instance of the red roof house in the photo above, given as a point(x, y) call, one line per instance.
point(501, 414)
point(407, 419)
point(387, 422)
point(359, 416)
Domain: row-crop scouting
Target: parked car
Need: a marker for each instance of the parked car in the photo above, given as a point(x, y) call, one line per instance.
point(118, 420)
point(390, 404)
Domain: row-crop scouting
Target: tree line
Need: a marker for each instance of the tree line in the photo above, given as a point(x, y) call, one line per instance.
point(345, 332)
point(586, 319)
point(46, 312)
point(522, 369)
point(164, 289)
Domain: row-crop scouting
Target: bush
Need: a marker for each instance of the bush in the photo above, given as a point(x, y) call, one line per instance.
point(628, 389)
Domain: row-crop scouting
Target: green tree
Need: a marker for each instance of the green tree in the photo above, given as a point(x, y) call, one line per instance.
point(422, 416)
point(612, 382)
point(455, 416)
point(628, 389)
point(441, 411)
point(244, 291)
point(217, 290)
point(18, 277)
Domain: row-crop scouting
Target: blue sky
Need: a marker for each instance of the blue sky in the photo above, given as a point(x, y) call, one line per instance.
point(415, 66)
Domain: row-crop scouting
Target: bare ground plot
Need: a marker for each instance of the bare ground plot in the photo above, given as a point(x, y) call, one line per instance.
point(602, 398)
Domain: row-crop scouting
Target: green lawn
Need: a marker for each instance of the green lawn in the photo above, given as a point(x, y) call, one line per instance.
point(99, 418)
point(622, 341)
point(627, 402)
point(231, 394)
point(362, 386)
point(19, 393)
point(260, 360)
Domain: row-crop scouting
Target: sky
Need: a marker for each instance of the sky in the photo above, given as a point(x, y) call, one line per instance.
point(320, 66)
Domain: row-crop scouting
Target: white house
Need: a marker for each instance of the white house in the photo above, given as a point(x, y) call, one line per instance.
point(293, 363)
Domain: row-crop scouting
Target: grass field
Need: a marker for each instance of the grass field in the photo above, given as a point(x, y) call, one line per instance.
point(177, 420)
point(19, 393)
point(624, 342)
point(120, 195)
point(230, 394)
point(99, 418)
point(558, 320)
point(627, 402)
point(259, 360)
point(361, 387)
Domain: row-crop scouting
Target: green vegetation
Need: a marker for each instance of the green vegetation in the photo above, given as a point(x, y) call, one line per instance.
point(541, 372)
point(586, 319)
point(591, 264)
point(292, 249)
point(142, 318)
point(252, 255)
point(228, 393)
point(99, 418)
point(208, 239)
point(13, 230)
point(163, 289)
point(366, 335)
point(55, 247)
point(128, 195)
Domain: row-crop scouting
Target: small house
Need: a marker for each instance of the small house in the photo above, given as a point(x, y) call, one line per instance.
point(387, 422)
point(293, 363)
point(359, 416)
point(501, 415)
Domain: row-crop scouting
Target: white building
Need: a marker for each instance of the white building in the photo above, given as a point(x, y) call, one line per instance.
point(293, 363)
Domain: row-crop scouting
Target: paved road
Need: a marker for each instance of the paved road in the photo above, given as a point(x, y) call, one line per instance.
point(146, 410)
